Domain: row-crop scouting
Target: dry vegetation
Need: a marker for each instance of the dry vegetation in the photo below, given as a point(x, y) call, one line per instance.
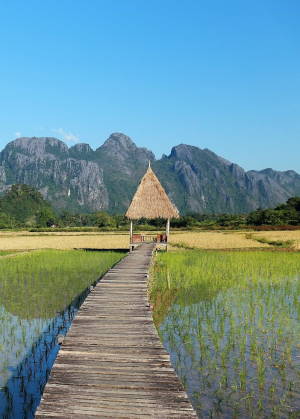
point(281, 236)
point(215, 240)
point(30, 241)
point(22, 240)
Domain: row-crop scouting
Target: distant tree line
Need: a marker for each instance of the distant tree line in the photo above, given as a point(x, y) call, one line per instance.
point(284, 214)
point(22, 206)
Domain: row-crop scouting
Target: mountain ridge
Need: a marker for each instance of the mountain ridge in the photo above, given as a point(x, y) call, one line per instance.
point(79, 178)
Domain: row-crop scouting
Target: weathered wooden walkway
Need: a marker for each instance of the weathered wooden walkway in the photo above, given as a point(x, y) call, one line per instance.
point(112, 363)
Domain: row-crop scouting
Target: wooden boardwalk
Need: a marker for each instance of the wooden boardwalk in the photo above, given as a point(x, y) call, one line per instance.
point(112, 363)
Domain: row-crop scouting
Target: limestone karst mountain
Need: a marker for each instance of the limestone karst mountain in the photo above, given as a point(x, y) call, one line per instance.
point(81, 179)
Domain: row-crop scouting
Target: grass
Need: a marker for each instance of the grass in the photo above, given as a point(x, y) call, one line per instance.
point(231, 323)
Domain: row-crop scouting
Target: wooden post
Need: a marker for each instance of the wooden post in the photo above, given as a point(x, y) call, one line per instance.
point(130, 238)
point(167, 232)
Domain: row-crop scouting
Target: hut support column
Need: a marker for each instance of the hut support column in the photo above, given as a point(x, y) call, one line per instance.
point(168, 232)
point(130, 233)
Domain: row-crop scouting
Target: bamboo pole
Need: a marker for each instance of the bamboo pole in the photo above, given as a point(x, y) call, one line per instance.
point(167, 232)
point(130, 233)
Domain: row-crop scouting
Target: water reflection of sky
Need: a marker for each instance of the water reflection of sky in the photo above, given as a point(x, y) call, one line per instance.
point(17, 337)
point(28, 349)
point(238, 353)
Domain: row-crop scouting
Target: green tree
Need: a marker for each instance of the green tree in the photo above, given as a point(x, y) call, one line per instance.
point(102, 219)
point(45, 217)
point(23, 203)
point(6, 221)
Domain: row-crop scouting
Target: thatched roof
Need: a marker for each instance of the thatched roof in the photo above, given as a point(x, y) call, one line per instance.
point(151, 200)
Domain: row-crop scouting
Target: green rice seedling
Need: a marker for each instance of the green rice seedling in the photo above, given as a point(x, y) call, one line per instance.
point(40, 284)
point(6, 252)
point(232, 328)
point(36, 289)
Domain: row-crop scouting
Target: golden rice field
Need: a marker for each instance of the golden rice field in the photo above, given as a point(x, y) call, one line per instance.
point(281, 236)
point(22, 240)
point(215, 240)
point(33, 241)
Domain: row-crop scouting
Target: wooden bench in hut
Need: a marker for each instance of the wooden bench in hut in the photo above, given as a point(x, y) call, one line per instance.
point(150, 201)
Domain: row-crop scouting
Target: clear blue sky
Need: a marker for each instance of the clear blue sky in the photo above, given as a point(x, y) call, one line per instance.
point(223, 75)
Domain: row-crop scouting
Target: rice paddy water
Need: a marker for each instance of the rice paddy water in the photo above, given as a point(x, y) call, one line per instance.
point(40, 293)
point(230, 321)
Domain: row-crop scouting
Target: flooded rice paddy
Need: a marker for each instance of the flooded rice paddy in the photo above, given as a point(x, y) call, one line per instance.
point(231, 324)
point(40, 294)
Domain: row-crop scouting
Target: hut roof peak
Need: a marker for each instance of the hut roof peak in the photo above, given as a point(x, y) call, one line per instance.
point(150, 200)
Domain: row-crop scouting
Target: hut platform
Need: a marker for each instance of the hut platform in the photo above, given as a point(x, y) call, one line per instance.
point(112, 363)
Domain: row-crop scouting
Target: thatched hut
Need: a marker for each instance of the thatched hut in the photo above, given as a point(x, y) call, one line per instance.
point(150, 201)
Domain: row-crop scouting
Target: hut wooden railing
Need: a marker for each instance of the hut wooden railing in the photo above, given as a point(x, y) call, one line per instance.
point(140, 238)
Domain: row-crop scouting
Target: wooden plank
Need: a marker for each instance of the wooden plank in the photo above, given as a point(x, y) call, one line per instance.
point(112, 363)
